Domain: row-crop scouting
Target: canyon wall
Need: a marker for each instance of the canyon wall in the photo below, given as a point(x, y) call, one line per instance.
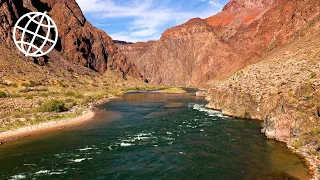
point(283, 90)
point(78, 41)
point(218, 46)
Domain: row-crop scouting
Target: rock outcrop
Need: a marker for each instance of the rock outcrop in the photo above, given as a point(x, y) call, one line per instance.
point(283, 91)
point(216, 47)
point(78, 42)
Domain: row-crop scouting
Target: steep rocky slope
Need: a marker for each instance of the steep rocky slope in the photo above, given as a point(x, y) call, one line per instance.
point(85, 66)
point(216, 47)
point(283, 91)
point(79, 41)
point(133, 51)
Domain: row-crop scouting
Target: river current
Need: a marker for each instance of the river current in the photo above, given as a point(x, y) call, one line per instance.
point(152, 136)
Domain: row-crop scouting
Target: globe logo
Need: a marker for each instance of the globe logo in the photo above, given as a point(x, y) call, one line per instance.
point(37, 33)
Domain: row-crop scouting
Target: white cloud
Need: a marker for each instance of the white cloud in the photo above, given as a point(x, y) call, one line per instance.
point(149, 16)
point(214, 3)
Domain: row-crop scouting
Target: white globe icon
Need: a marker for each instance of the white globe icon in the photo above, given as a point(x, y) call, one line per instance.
point(39, 22)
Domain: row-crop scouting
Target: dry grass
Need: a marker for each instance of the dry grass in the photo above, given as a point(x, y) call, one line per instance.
point(26, 87)
point(171, 90)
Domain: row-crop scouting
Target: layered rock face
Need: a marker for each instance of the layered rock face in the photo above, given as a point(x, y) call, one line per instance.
point(283, 90)
point(79, 41)
point(218, 46)
point(134, 51)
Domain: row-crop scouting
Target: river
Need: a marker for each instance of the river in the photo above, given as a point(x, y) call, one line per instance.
point(153, 136)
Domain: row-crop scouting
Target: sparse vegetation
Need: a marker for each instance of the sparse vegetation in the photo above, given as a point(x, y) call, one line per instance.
point(27, 89)
point(297, 143)
point(247, 113)
point(70, 70)
point(70, 94)
point(315, 132)
point(43, 95)
point(172, 90)
point(53, 106)
point(308, 97)
point(3, 94)
point(29, 96)
point(116, 92)
point(313, 75)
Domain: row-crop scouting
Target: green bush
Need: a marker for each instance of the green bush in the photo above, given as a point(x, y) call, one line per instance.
point(308, 96)
point(3, 94)
point(53, 106)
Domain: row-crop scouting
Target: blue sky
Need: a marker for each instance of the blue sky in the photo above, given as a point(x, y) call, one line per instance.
point(143, 20)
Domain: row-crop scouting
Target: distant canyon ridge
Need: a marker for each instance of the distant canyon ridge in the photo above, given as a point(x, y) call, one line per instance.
point(190, 54)
point(214, 48)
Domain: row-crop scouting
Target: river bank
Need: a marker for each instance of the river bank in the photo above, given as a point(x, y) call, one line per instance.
point(231, 105)
point(86, 114)
point(46, 126)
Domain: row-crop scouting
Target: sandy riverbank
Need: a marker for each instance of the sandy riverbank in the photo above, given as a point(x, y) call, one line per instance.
point(45, 127)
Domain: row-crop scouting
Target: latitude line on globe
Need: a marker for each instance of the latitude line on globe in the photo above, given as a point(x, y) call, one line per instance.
point(44, 25)
point(38, 35)
point(26, 43)
point(36, 32)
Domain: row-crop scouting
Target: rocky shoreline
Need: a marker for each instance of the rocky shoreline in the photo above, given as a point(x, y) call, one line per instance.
point(312, 161)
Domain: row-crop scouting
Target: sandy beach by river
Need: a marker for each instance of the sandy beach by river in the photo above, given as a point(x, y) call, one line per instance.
point(45, 126)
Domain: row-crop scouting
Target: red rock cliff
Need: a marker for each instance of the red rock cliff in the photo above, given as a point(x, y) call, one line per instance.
point(79, 41)
point(216, 47)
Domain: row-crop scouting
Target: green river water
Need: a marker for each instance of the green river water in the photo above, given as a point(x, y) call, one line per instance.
point(152, 136)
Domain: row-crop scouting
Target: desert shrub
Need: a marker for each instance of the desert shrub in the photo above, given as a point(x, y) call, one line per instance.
point(313, 75)
point(316, 131)
point(116, 92)
point(15, 95)
point(95, 85)
point(3, 94)
point(297, 144)
point(308, 96)
point(62, 84)
point(69, 100)
point(29, 96)
point(9, 84)
point(79, 96)
point(70, 105)
point(41, 89)
point(53, 106)
point(43, 95)
point(31, 84)
point(70, 94)
point(25, 89)
point(70, 70)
